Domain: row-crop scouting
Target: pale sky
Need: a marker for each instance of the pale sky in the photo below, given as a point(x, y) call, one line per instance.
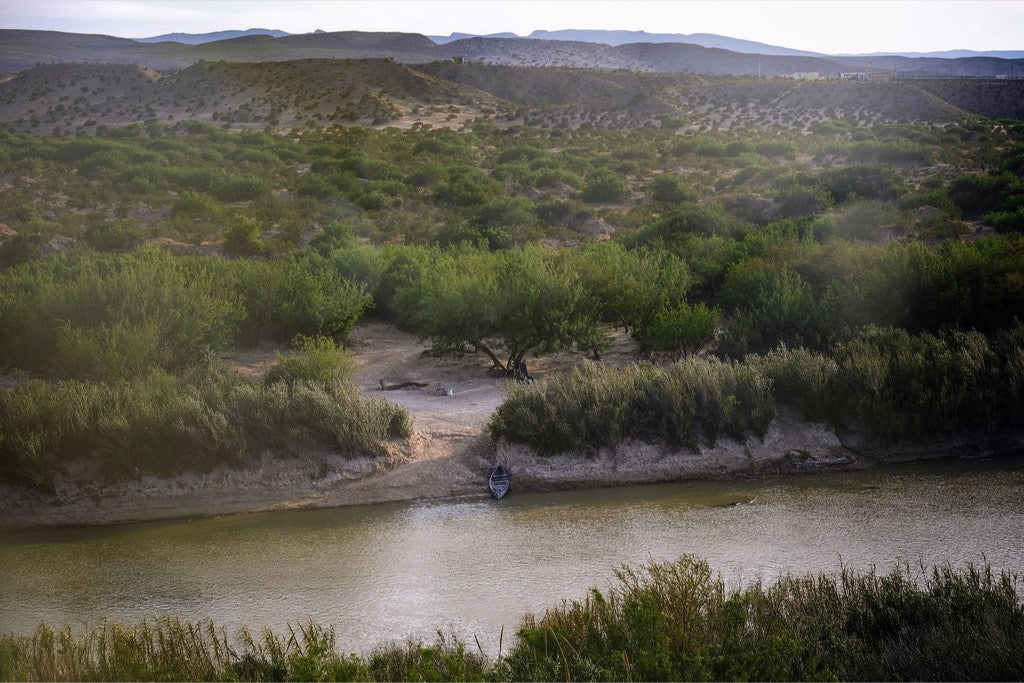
point(830, 26)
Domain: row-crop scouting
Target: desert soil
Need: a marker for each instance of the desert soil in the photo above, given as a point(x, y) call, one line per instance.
point(449, 454)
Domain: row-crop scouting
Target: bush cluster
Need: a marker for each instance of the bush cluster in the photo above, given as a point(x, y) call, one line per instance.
point(671, 621)
point(897, 385)
point(165, 425)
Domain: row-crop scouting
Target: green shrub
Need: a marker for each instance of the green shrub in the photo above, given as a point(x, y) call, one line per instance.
point(114, 235)
point(314, 359)
point(243, 237)
point(677, 621)
point(668, 189)
point(604, 186)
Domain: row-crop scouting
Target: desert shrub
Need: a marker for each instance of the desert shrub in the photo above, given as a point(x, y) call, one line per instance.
point(801, 200)
point(492, 236)
point(668, 189)
point(776, 148)
point(243, 237)
point(979, 194)
point(316, 186)
point(1006, 221)
point(196, 205)
point(517, 211)
point(113, 235)
point(241, 188)
point(687, 220)
point(861, 181)
point(313, 359)
point(604, 186)
point(869, 220)
point(550, 177)
point(373, 200)
point(466, 186)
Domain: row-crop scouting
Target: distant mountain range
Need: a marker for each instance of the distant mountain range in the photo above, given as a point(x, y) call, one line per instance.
point(200, 38)
point(21, 50)
point(613, 38)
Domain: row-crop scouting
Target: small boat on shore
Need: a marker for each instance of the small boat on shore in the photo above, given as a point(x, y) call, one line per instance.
point(498, 481)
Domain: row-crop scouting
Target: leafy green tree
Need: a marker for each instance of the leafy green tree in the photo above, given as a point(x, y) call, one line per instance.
point(512, 302)
point(681, 330)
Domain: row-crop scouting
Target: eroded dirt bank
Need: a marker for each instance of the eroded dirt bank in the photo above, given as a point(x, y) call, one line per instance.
point(450, 452)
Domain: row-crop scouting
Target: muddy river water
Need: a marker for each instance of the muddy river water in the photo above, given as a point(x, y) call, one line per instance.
point(385, 572)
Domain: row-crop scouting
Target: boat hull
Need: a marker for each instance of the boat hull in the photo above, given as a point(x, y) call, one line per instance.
point(498, 482)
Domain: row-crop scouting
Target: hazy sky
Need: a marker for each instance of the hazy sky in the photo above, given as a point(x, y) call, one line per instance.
point(822, 26)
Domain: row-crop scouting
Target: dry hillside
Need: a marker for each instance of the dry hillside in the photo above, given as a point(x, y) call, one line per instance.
point(70, 98)
point(794, 104)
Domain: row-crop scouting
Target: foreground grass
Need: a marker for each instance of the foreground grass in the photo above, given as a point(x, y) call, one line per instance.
point(672, 621)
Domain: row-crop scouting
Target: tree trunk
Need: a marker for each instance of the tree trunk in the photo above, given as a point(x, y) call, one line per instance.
point(494, 359)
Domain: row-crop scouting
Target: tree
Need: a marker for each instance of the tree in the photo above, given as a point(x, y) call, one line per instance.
point(681, 330)
point(517, 301)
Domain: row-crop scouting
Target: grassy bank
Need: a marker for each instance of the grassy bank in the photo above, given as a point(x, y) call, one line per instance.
point(166, 425)
point(898, 386)
point(672, 621)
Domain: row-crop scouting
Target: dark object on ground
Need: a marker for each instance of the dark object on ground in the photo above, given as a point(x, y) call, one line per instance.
point(401, 385)
point(498, 481)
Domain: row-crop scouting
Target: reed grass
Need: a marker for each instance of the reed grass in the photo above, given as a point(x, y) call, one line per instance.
point(694, 401)
point(896, 385)
point(661, 621)
point(166, 425)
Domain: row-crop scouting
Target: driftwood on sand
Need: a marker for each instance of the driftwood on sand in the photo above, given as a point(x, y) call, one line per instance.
point(401, 385)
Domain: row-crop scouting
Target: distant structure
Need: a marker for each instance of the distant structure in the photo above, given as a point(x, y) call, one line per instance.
point(457, 59)
point(805, 76)
point(873, 76)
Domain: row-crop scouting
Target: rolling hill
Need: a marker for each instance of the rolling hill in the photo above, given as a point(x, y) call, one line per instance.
point(21, 50)
point(301, 93)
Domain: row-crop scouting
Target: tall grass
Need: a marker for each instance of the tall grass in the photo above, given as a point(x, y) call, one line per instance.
point(896, 385)
point(166, 425)
point(694, 401)
point(663, 621)
point(676, 621)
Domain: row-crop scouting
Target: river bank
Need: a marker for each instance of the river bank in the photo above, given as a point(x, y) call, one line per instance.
point(450, 453)
point(456, 465)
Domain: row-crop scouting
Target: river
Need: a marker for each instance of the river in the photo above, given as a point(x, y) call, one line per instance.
point(384, 572)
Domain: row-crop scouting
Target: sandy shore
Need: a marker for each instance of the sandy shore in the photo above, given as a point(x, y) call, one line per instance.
point(450, 453)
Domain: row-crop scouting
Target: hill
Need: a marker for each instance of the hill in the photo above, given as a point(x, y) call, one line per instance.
point(703, 39)
point(200, 38)
point(315, 92)
point(21, 50)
